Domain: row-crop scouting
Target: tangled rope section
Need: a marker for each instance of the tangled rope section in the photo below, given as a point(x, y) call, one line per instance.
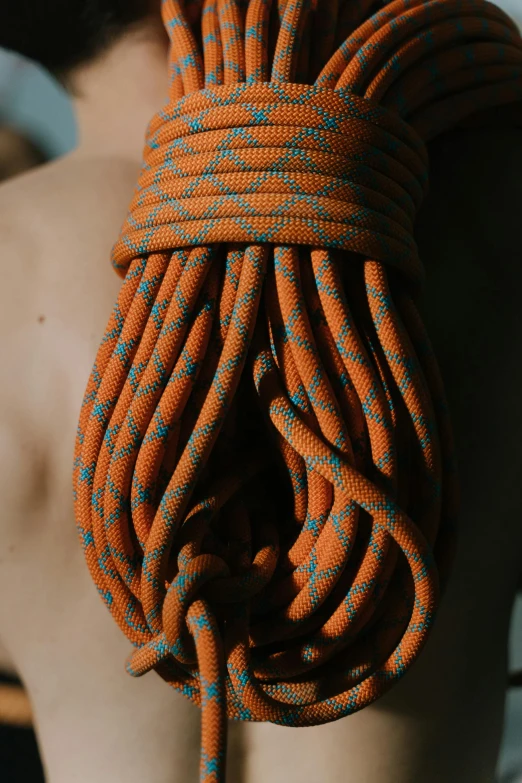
point(264, 478)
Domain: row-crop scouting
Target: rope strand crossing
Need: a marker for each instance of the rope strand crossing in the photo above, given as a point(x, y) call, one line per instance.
point(265, 482)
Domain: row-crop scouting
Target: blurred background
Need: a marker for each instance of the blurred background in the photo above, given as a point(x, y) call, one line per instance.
point(37, 124)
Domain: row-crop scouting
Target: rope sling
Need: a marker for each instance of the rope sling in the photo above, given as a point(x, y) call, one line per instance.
point(265, 481)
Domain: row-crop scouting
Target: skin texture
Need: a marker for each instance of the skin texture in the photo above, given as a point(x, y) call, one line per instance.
point(443, 722)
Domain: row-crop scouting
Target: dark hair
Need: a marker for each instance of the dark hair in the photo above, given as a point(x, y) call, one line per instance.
point(18, 153)
point(60, 34)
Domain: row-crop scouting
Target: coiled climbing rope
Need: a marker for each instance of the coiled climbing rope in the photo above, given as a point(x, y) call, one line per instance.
point(265, 484)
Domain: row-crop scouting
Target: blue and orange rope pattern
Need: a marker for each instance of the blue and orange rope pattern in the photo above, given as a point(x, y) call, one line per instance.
point(265, 484)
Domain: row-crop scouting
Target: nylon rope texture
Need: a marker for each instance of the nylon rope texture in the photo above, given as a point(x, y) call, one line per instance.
point(265, 481)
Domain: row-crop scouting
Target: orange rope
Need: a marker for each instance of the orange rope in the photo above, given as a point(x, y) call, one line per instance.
point(265, 481)
point(15, 707)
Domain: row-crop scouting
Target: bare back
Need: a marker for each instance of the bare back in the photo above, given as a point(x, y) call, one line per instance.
point(444, 721)
point(57, 228)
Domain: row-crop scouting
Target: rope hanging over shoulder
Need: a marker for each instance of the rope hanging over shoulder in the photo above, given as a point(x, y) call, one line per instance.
point(265, 484)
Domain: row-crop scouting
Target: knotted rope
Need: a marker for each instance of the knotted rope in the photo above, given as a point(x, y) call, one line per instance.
point(265, 482)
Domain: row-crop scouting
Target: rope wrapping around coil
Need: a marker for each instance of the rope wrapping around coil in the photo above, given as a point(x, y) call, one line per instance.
point(265, 480)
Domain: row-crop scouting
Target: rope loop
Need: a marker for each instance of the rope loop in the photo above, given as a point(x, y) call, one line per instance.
point(280, 163)
point(181, 594)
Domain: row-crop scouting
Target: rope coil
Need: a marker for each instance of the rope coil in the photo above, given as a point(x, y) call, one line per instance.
point(265, 481)
point(347, 153)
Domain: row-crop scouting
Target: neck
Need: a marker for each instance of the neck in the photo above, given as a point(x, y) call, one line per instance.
point(116, 96)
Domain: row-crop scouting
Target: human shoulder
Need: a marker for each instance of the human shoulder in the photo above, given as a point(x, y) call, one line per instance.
point(57, 226)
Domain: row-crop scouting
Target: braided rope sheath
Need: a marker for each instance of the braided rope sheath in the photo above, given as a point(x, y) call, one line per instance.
point(265, 484)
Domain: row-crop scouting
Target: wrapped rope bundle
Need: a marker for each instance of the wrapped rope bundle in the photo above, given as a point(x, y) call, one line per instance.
point(265, 483)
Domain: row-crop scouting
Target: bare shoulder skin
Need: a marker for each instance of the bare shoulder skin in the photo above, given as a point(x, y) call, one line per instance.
point(443, 722)
point(57, 226)
point(57, 229)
